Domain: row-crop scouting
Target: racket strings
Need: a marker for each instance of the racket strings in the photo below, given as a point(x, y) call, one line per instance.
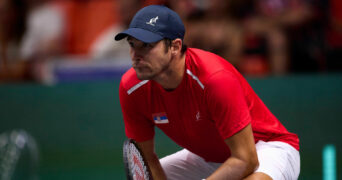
point(137, 165)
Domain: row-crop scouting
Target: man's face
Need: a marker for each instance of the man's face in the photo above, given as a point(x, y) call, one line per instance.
point(149, 60)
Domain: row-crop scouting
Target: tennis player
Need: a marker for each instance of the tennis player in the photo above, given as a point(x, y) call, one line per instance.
point(203, 104)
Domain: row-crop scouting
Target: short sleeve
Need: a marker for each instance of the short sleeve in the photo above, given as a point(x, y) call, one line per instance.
point(226, 103)
point(137, 124)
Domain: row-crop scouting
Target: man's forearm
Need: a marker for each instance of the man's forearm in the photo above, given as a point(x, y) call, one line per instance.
point(243, 160)
point(156, 169)
point(233, 168)
point(147, 147)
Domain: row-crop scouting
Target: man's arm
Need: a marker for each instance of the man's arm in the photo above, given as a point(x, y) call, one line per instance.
point(243, 160)
point(147, 148)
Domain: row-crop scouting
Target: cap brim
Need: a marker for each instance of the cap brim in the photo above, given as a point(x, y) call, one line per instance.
point(140, 34)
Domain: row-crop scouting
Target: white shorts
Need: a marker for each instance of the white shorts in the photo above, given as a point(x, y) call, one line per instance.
point(277, 159)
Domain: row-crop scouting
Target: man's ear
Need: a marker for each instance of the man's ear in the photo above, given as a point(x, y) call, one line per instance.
point(176, 46)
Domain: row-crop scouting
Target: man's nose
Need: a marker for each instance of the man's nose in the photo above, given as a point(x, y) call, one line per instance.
point(136, 55)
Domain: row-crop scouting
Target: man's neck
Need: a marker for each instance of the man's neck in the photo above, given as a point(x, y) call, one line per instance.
point(173, 76)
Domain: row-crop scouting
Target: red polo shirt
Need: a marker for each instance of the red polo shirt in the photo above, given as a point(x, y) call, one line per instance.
point(212, 103)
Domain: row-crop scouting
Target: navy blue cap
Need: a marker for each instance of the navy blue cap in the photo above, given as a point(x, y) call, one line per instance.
point(154, 23)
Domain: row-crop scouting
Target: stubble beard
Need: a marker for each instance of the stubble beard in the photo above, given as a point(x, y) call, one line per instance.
point(151, 75)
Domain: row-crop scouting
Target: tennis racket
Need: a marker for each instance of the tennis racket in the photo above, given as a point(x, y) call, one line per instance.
point(18, 155)
point(135, 165)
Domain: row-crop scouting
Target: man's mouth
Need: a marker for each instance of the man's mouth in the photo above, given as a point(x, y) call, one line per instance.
point(139, 65)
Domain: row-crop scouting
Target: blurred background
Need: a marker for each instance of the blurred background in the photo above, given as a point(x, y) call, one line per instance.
point(60, 69)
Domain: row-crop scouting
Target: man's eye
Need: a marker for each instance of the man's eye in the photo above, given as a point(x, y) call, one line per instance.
point(147, 45)
point(131, 44)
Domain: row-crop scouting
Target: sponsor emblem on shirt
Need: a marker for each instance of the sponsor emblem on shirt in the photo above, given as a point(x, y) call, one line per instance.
point(198, 116)
point(160, 118)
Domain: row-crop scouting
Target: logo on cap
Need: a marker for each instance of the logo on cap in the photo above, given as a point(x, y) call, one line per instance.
point(152, 21)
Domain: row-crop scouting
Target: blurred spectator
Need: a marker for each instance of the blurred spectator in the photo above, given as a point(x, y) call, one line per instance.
point(215, 29)
point(83, 28)
point(73, 30)
point(306, 41)
point(105, 46)
point(86, 21)
point(45, 30)
point(269, 25)
point(334, 36)
point(184, 8)
point(44, 36)
point(74, 27)
point(12, 28)
point(251, 34)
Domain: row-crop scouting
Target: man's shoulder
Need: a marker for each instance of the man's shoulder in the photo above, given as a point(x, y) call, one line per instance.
point(205, 64)
point(199, 53)
point(207, 60)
